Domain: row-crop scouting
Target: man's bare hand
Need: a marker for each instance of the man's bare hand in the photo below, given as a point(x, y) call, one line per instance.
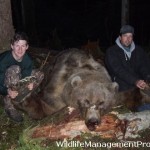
point(12, 94)
point(30, 86)
point(141, 84)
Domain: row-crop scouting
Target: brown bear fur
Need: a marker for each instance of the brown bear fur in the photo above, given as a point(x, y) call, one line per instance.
point(132, 99)
point(66, 63)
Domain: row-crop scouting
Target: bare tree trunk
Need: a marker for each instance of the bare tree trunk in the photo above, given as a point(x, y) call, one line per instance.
point(125, 12)
point(6, 26)
point(28, 19)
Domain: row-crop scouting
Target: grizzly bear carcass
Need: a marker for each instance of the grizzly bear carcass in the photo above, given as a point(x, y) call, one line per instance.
point(79, 81)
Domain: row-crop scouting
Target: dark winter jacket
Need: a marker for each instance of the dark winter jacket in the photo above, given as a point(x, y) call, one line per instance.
point(7, 60)
point(124, 70)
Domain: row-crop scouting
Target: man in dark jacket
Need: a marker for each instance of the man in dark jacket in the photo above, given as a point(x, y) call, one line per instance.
point(126, 62)
point(15, 64)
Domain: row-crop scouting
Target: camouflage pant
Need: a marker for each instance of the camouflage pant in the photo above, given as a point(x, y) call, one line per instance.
point(13, 81)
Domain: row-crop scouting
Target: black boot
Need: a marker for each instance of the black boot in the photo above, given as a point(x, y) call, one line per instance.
point(11, 111)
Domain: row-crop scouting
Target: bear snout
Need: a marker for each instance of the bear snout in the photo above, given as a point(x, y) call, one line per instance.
point(92, 123)
point(92, 117)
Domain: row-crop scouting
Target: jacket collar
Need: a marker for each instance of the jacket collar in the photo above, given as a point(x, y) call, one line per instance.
point(132, 47)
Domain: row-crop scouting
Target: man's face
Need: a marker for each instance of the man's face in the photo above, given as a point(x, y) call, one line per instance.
point(19, 48)
point(126, 39)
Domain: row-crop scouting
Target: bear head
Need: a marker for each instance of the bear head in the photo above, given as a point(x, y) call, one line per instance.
point(93, 97)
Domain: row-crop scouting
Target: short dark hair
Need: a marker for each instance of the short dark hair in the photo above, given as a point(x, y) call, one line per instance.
point(19, 36)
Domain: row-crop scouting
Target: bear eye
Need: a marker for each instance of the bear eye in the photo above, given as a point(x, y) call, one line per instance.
point(100, 103)
point(86, 103)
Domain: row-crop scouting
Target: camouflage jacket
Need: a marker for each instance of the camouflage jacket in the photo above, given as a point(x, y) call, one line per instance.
point(7, 60)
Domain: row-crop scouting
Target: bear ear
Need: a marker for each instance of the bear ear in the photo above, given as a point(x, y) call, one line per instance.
point(115, 86)
point(76, 81)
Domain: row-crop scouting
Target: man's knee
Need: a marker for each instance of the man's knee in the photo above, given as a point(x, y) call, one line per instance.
point(12, 75)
